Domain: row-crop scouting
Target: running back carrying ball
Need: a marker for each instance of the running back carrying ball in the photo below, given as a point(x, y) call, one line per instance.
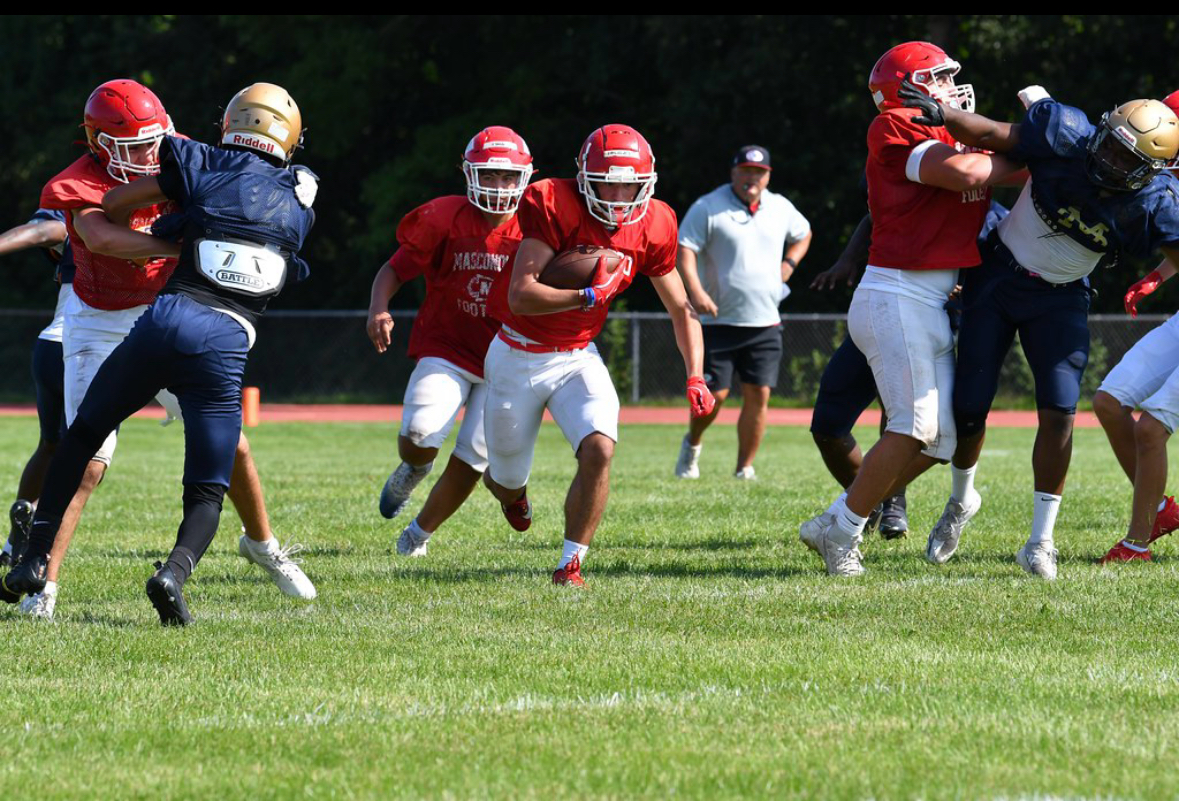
point(574, 269)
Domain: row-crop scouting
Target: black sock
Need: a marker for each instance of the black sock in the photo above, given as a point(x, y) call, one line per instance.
point(202, 512)
point(73, 453)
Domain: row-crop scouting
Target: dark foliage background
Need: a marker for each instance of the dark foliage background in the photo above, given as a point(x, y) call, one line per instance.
point(389, 102)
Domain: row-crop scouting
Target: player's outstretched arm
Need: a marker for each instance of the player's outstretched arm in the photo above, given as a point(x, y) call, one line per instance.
point(1156, 278)
point(35, 234)
point(970, 129)
point(102, 236)
point(526, 294)
point(944, 167)
point(853, 257)
point(380, 322)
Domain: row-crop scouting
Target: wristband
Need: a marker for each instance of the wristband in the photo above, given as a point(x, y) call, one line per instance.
point(587, 298)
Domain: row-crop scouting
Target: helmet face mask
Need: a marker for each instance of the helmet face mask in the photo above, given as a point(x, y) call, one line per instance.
point(125, 123)
point(1133, 143)
point(496, 150)
point(613, 155)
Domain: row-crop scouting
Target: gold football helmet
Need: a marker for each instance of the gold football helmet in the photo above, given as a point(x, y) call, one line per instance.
point(263, 118)
point(1132, 144)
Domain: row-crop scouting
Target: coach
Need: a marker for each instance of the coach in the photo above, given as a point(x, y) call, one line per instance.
point(731, 248)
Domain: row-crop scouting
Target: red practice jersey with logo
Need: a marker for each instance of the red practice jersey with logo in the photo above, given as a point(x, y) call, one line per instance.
point(106, 282)
point(915, 226)
point(450, 242)
point(554, 212)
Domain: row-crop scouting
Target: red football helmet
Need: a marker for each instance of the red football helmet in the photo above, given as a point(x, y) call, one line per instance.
point(493, 149)
point(616, 154)
point(927, 62)
point(122, 117)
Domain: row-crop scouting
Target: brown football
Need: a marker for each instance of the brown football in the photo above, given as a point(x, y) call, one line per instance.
point(574, 268)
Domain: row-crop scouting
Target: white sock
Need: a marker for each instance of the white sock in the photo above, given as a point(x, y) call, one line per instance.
point(847, 521)
point(50, 589)
point(570, 550)
point(1044, 510)
point(1135, 548)
point(961, 482)
point(694, 448)
point(417, 532)
point(837, 504)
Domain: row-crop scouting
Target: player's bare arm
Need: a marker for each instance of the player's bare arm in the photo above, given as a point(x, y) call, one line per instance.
point(850, 261)
point(118, 203)
point(795, 254)
point(944, 167)
point(102, 236)
point(684, 321)
point(970, 129)
point(526, 294)
point(380, 322)
point(701, 300)
point(35, 234)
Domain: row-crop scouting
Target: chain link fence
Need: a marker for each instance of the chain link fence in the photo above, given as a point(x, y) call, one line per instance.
point(326, 357)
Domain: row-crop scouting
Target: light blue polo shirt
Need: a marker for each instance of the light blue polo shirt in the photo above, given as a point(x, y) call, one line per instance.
point(739, 254)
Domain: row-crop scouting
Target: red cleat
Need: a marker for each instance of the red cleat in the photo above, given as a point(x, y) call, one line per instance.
point(1167, 519)
point(1120, 553)
point(519, 513)
point(570, 574)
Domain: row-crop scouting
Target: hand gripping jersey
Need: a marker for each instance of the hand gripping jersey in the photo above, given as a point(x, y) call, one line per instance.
point(554, 212)
point(915, 226)
point(450, 242)
point(1063, 223)
point(242, 220)
point(105, 282)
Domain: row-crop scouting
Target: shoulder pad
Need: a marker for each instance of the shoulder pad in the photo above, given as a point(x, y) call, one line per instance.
point(306, 186)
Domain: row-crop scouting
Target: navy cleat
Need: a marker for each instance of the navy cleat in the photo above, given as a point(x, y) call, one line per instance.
point(27, 578)
point(894, 522)
point(163, 590)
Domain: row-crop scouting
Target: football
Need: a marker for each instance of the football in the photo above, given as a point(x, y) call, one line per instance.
point(574, 268)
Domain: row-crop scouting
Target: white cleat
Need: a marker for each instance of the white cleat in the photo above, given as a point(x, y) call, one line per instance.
point(278, 564)
point(944, 538)
point(1038, 559)
point(409, 545)
point(811, 532)
point(400, 485)
point(688, 464)
point(746, 473)
point(822, 535)
point(40, 605)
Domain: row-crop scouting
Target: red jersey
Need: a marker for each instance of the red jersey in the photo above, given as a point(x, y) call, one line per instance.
point(450, 242)
point(105, 282)
point(915, 226)
point(554, 212)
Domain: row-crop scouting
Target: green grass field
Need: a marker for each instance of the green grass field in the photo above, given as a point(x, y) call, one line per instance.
point(708, 657)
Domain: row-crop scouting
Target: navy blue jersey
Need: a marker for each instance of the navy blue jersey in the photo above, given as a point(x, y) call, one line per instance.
point(233, 203)
point(62, 255)
point(1053, 141)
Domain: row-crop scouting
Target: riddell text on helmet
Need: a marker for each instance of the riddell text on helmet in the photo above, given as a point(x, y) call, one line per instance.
point(245, 140)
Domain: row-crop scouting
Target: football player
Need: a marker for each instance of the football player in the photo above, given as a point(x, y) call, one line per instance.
point(544, 356)
point(46, 230)
point(928, 199)
point(1146, 378)
point(244, 213)
point(1096, 191)
point(115, 279)
point(459, 244)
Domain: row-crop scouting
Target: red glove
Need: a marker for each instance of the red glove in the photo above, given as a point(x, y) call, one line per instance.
point(1140, 290)
point(605, 284)
point(700, 400)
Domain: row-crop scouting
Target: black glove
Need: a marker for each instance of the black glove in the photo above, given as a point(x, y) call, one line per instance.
point(913, 97)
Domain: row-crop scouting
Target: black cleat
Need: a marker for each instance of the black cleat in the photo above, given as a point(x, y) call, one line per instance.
point(20, 516)
point(27, 578)
point(873, 521)
point(163, 590)
point(5, 559)
point(894, 522)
